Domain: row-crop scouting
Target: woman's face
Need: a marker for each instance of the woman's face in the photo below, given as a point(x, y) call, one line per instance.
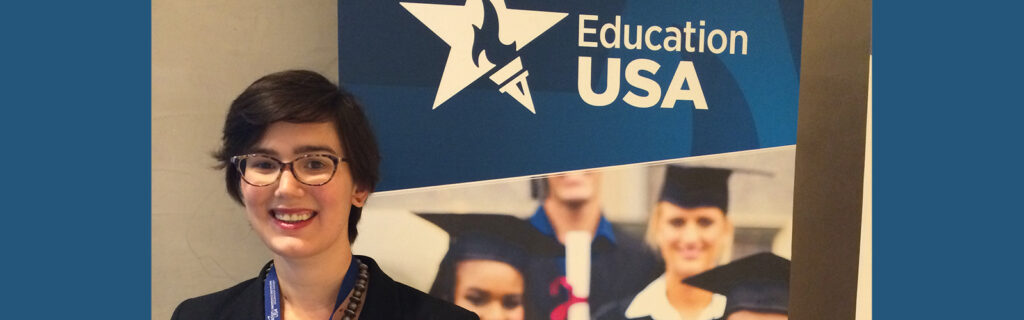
point(317, 216)
point(691, 239)
point(491, 289)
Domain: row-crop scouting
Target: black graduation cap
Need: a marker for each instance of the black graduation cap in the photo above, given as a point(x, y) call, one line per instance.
point(691, 187)
point(756, 283)
point(477, 236)
point(486, 236)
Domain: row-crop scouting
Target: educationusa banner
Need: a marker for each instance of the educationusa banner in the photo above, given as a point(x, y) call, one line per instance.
point(472, 90)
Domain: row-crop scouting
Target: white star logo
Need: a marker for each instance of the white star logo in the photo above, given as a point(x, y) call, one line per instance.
point(459, 26)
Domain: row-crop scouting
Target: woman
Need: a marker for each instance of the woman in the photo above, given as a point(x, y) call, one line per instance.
point(298, 153)
point(690, 229)
point(483, 270)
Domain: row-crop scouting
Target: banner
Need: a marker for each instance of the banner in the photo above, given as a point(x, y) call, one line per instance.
point(473, 90)
point(580, 159)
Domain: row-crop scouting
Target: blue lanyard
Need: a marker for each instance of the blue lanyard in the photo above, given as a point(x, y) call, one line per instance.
point(272, 295)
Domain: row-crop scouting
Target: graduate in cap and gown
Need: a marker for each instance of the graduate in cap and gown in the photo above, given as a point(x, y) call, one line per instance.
point(573, 284)
point(690, 229)
point(755, 287)
point(484, 268)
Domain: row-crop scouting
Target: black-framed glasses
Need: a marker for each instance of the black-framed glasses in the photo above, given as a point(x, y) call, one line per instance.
point(263, 170)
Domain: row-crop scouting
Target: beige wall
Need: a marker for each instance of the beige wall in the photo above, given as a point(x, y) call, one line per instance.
point(204, 54)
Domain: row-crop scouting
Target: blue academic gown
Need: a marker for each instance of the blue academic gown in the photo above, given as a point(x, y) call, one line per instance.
point(620, 266)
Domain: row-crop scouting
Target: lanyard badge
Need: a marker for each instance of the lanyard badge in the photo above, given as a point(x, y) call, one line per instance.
point(272, 292)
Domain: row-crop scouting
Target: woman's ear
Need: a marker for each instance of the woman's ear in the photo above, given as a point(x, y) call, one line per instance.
point(359, 196)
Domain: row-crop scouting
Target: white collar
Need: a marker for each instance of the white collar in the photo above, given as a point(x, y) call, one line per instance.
point(653, 302)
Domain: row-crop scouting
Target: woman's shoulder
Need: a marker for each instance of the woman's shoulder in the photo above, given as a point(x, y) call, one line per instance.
point(390, 299)
point(242, 301)
point(424, 306)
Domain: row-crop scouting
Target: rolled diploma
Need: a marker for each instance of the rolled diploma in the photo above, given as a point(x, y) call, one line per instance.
point(577, 271)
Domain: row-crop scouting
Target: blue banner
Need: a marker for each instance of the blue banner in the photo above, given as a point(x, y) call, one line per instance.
point(472, 90)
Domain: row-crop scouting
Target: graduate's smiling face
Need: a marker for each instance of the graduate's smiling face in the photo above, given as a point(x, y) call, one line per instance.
point(491, 289)
point(292, 218)
point(691, 239)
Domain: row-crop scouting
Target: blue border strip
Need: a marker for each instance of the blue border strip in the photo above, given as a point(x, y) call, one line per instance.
point(75, 85)
point(947, 179)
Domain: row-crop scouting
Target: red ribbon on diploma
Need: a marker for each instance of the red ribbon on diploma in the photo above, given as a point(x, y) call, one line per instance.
point(562, 310)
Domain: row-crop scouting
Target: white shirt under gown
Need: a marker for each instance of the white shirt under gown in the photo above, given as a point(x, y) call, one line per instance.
point(653, 302)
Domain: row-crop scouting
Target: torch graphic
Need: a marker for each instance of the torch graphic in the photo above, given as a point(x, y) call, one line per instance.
point(510, 78)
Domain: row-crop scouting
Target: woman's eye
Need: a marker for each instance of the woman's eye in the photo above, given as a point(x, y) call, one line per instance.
point(264, 165)
point(705, 222)
point(511, 301)
point(315, 164)
point(477, 298)
point(676, 222)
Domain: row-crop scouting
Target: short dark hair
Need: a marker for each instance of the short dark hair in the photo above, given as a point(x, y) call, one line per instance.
point(300, 96)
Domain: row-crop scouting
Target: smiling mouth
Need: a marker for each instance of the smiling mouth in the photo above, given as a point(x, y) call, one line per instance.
point(690, 254)
point(293, 217)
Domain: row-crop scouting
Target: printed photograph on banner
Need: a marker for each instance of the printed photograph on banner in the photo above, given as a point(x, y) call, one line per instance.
point(695, 238)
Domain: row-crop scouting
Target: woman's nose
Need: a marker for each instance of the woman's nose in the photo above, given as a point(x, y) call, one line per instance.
point(288, 185)
point(493, 311)
point(690, 234)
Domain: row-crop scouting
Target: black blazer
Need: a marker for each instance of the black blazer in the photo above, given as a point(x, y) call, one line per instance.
point(385, 299)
